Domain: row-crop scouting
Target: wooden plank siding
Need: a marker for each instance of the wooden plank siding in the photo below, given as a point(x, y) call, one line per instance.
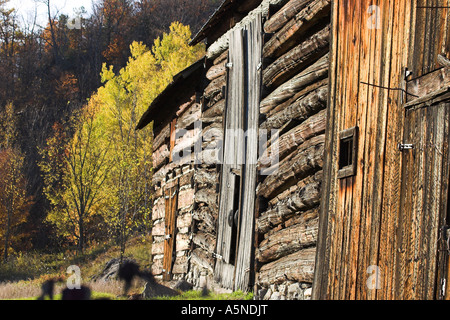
point(232, 159)
point(385, 222)
point(246, 251)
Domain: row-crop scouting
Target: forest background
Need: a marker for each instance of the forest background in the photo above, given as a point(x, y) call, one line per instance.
point(73, 171)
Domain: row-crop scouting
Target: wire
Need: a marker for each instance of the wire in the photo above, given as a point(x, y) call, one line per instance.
point(397, 89)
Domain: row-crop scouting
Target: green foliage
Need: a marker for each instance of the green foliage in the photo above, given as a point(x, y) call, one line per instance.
point(104, 169)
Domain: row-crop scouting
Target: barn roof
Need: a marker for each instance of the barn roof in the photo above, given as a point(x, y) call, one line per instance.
point(226, 15)
point(176, 93)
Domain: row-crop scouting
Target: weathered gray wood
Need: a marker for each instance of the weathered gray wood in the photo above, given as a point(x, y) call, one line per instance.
point(202, 259)
point(253, 92)
point(304, 20)
point(215, 112)
point(232, 155)
point(160, 156)
point(297, 267)
point(280, 18)
point(222, 56)
point(205, 177)
point(215, 86)
point(300, 110)
point(304, 198)
point(208, 196)
point(206, 219)
point(307, 157)
point(216, 71)
point(311, 127)
point(289, 240)
point(185, 106)
point(204, 240)
point(161, 137)
point(191, 114)
point(298, 58)
point(310, 75)
point(428, 83)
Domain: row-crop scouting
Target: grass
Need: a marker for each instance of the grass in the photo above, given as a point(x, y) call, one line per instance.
point(22, 276)
point(197, 295)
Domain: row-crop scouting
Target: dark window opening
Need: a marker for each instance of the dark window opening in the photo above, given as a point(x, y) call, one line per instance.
point(348, 142)
point(233, 220)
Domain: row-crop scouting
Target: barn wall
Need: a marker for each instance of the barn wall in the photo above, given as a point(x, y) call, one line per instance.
point(358, 238)
point(174, 172)
point(293, 113)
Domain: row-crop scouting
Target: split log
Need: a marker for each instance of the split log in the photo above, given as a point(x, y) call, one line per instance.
point(186, 179)
point(217, 70)
point(288, 241)
point(222, 56)
point(298, 96)
point(161, 137)
point(160, 157)
point(311, 127)
point(184, 221)
point(185, 140)
point(308, 157)
point(186, 198)
point(185, 106)
point(159, 209)
point(300, 110)
point(206, 219)
point(304, 199)
point(212, 132)
point(206, 177)
point(180, 266)
point(216, 111)
point(159, 229)
point(157, 267)
point(310, 180)
point(205, 240)
point(310, 75)
point(297, 27)
point(183, 242)
point(297, 59)
point(297, 267)
point(200, 258)
point(215, 86)
point(157, 248)
point(160, 175)
point(207, 196)
point(189, 116)
point(280, 18)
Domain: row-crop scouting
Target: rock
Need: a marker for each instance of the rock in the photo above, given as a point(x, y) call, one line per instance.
point(154, 289)
point(110, 270)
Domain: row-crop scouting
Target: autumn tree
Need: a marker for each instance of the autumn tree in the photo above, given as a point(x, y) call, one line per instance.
point(74, 169)
point(121, 102)
point(14, 201)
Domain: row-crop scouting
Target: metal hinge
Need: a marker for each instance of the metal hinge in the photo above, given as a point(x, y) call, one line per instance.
point(259, 66)
point(217, 256)
point(405, 146)
point(229, 65)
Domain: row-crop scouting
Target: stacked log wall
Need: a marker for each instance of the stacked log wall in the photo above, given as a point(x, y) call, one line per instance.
point(171, 171)
point(206, 176)
point(295, 83)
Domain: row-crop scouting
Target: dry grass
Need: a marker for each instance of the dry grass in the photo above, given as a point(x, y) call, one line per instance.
point(19, 290)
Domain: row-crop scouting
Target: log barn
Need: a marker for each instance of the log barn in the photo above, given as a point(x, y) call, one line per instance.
point(238, 151)
point(383, 229)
